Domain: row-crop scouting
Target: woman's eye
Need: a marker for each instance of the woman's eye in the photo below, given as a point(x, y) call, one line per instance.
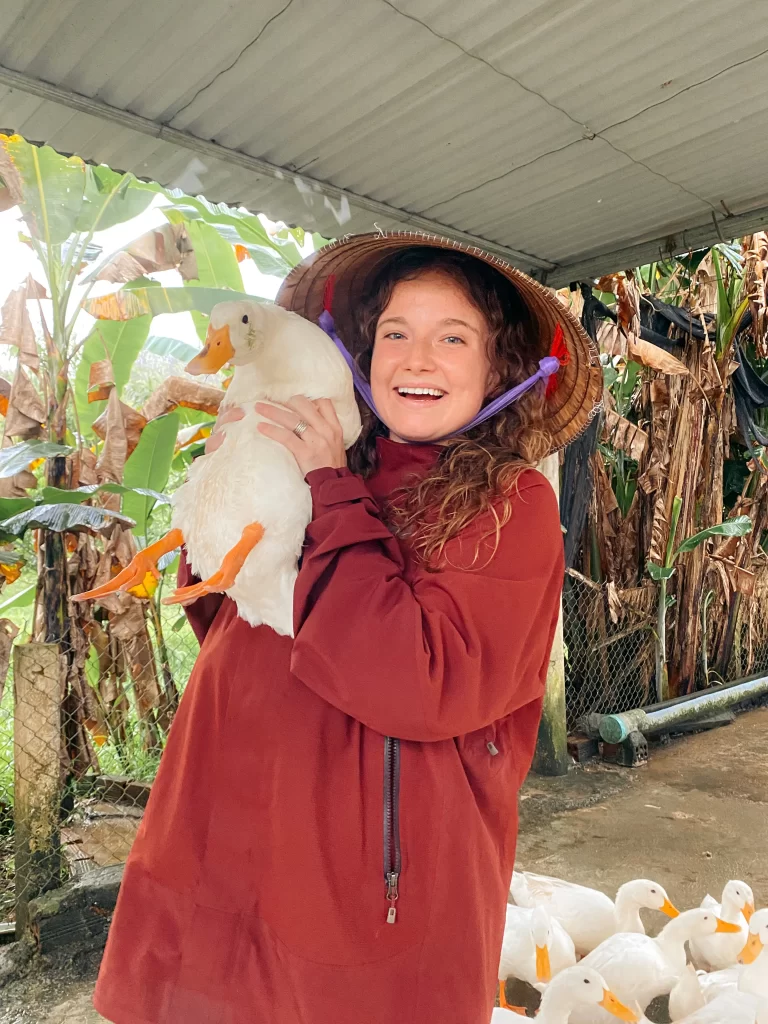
point(452, 339)
point(395, 335)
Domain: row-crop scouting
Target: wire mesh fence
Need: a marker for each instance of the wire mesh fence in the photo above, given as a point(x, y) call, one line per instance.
point(81, 735)
point(610, 643)
point(609, 647)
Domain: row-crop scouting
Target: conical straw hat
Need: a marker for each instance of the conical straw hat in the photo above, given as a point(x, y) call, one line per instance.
point(354, 261)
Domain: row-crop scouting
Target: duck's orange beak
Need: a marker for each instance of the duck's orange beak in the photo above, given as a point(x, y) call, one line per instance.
point(543, 966)
point(669, 909)
point(617, 1008)
point(752, 950)
point(215, 354)
point(748, 910)
point(727, 927)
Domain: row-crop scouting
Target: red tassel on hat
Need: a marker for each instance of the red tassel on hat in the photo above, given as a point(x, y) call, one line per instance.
point(330, 284)
point(560, 351)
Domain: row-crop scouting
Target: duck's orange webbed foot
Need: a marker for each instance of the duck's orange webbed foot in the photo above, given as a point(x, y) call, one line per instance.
point(135, 573)
point(224, 577)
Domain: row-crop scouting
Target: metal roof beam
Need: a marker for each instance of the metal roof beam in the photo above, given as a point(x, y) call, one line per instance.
point(185, 140)
point(700, 237)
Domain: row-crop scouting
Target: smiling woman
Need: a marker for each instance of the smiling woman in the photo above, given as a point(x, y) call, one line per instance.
point(440, 334)
point(433, 323)
point(430, 370)
point(331, 834)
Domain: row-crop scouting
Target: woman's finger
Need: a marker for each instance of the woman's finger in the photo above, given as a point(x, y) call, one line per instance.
point(285, 436)
point(311, 412)
point(230, 415)
point(327, 410)
point(292, 414)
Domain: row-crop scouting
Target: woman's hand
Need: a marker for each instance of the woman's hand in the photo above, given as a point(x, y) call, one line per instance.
point(318, 446)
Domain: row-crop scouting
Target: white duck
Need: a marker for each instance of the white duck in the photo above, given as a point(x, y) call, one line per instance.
point(731, 1008)
point(245, 507)
point(716, 952)
point(535, 948)
point(639, 968)
point(750, 975)
point(574, 987)
point(753, 977)
point(588, 915)
point(687, 996)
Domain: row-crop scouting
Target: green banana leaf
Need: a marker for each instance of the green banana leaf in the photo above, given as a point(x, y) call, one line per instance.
point(236, 227)
point(48, 187)
point(111, 198)
point(17, 458)
point(57, 495)
point(120, 341)
point(659, 572)
point(148, 469)
point(60, 196)
point(12, 506)
point(133, 302)
point(22, 598)
point(174, 347)
point(61, 518)
point(217, 265)
point(738, 527)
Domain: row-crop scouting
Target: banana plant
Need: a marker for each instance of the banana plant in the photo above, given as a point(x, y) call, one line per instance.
point(730, 310)
point(739, 526)
point(63, 204)
point(66, 407)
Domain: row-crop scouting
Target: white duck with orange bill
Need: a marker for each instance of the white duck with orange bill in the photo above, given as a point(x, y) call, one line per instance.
point(588, 915)
point(716, 952)
point(639, 968)
point(574, 987)
point(244, 509)
point(535, 948)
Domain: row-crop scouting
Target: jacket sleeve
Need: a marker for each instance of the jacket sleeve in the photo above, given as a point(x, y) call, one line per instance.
point(202, 612)
point(426, 655)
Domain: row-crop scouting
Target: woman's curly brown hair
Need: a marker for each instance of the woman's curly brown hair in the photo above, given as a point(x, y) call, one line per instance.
point(476, 473)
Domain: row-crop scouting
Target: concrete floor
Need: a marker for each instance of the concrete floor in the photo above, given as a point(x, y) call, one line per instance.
point(694, 817)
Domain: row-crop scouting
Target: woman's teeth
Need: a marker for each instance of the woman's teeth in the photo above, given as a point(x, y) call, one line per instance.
point(430, 392)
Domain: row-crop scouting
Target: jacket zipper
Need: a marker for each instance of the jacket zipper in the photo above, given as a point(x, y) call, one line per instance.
point(392, 859)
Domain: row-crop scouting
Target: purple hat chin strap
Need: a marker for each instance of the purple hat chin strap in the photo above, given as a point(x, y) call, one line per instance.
point(548, 366)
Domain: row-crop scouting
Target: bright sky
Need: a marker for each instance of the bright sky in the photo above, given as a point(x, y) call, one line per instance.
point(17, 261)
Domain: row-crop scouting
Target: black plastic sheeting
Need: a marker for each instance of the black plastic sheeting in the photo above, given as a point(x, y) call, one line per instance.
point(656, 319)
point(750, 394)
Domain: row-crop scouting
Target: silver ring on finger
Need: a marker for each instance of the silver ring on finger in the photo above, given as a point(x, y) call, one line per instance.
point(300, 428)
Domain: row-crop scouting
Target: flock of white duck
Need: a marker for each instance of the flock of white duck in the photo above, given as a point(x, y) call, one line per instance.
point(590, 958)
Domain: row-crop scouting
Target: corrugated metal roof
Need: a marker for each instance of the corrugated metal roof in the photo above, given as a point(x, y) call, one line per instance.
point(574, 136)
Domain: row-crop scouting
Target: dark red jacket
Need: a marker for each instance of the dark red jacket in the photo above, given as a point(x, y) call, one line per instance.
point(255, 891)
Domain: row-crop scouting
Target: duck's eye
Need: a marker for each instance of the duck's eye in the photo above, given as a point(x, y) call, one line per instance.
point(586, 981)
point(245, 318)
point(653, 892)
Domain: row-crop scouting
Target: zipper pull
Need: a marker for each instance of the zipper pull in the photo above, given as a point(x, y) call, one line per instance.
point(492, 748)
point(392, 895)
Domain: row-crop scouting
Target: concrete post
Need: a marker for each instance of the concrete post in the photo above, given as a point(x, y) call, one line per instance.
point(551, 756)
point(37, 684)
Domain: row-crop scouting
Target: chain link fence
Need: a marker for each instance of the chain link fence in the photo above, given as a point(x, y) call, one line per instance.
point(610, 643)
point(609, 647)
point(81, 734)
